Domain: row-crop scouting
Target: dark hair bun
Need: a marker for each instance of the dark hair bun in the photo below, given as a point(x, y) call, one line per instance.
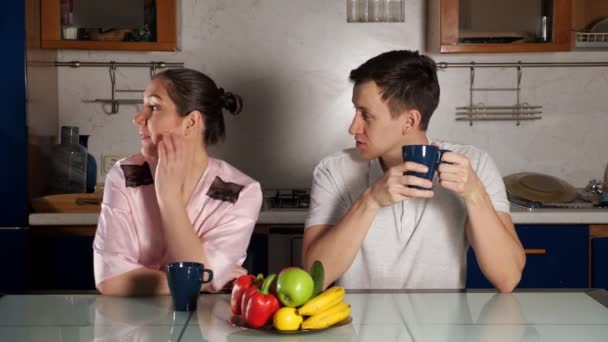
point(231, 102)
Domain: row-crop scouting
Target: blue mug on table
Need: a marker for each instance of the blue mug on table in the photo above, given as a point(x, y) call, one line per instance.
point(185, 281)
point(428, 155)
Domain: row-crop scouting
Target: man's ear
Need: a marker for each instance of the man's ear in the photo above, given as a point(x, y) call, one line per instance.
point(193, 122)
point(411, 120)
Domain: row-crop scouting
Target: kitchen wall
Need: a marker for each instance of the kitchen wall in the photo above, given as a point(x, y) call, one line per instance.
point(290, 61)
point(42, 100)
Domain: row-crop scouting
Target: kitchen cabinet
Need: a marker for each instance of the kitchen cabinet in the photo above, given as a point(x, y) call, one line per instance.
point(13, 260)
point(61, 258)
point(65, 25)
point(472, 26)
point(13, 150)
point(588, 29)
point(557, 256)
point(599, 255)
point(599, 273)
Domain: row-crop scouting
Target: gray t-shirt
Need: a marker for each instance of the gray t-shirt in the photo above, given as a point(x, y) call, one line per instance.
point(413, 244)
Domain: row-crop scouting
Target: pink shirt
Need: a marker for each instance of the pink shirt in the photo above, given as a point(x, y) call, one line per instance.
point(223, 210)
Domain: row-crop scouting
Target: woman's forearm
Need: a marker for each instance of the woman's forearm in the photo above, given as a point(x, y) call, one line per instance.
point(182, 242)
point(140, 282)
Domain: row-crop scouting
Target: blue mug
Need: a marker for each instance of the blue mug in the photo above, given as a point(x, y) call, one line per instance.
point(428, 155)
point(185, 280)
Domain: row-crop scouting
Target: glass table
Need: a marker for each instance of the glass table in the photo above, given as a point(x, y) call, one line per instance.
point(376, 316)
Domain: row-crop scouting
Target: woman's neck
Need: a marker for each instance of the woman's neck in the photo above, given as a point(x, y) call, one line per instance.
point(195, 171)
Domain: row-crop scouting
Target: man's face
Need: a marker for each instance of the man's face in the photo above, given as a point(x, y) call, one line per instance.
point(375, 131)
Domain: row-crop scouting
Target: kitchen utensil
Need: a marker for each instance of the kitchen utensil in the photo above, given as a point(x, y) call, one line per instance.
point(600, 26)
point(539, 187)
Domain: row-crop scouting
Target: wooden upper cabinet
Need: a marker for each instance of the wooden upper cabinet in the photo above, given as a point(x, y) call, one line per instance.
point(469, 26)
point(142, 25)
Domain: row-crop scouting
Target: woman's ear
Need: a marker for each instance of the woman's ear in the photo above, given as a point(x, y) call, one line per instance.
point(192, 122)
point(411, 120)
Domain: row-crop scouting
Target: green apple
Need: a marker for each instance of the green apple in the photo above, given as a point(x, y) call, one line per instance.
point(294, 287)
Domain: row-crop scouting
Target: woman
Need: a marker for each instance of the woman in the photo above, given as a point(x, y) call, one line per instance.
point(172, 202)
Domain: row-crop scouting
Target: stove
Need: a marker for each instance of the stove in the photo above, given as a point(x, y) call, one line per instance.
point(286, 199)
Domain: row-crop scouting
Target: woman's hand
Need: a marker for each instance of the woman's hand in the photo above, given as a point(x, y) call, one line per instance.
point(394, 187)
point(174, 158)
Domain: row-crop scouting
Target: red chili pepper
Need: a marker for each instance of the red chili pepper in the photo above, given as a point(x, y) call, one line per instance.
point(240, 286)
point(261, 306)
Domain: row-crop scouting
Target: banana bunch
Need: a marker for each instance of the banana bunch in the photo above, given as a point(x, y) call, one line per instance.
point(325, 310)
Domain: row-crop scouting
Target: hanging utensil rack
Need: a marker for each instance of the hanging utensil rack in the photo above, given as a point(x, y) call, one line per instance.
point(521, 111)
point(112, 66)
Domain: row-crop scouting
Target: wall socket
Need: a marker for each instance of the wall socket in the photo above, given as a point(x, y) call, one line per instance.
point(109, 161)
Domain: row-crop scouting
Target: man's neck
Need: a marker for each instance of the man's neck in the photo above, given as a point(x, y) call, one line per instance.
point(394, 156)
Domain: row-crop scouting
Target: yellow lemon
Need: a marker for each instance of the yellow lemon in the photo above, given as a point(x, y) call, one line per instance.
point(286, 319)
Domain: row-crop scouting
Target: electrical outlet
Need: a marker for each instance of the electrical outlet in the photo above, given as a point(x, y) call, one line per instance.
point(109, 161)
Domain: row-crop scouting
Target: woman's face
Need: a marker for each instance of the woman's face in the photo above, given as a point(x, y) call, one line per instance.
point(157, 116)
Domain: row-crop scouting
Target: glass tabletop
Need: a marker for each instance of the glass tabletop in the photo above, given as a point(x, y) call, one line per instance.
point(89, 317)
point(376, 316)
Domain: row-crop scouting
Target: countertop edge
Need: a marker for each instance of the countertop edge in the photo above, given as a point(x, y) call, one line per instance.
point(298, 217)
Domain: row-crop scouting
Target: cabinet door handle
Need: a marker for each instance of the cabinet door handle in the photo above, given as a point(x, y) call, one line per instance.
point(535, 251)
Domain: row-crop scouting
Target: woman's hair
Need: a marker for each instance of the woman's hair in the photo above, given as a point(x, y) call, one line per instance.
point(192, 90)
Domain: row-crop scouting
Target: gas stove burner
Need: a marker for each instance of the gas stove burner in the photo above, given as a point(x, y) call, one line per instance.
point(287, 198)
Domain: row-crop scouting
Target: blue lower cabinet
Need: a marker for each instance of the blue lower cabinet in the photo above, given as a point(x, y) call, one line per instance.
point(599, 271)
point(13, 260)
point(557, 256)
point(62, 262)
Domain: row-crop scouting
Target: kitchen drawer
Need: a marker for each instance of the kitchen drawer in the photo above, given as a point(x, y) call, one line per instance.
point(557, 256)
point(600, 262)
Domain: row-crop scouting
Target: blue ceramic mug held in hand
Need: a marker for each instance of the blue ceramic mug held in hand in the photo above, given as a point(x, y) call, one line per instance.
point(428, 155)
point(185, 280)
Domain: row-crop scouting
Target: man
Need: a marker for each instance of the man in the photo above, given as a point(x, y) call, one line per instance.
point(371, 230)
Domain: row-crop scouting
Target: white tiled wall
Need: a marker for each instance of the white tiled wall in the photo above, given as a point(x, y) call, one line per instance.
point(290, 61)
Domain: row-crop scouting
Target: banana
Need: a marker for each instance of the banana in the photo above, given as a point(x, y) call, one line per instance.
point(323, 301)
point(328, 317)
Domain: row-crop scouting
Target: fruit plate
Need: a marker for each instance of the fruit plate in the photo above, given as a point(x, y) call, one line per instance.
point(240, 322)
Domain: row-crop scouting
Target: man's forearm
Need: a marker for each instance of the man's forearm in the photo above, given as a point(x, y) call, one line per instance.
point(338, 246)
point(497, 248)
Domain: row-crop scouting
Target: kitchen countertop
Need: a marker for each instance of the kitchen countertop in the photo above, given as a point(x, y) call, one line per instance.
point(376, 316)
point(520, 216)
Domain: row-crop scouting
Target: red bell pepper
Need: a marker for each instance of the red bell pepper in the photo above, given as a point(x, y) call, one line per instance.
point(247, 294)
point(261, 306)
point(240, 286)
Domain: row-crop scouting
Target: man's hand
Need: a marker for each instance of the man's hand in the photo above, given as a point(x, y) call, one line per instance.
point(393, 186)
point(174, 159)
point(457, 175)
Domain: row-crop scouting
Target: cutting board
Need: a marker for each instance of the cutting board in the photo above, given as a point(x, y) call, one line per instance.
point(68, 203)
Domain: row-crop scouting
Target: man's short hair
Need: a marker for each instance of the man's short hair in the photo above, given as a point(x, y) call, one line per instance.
point(407, 81)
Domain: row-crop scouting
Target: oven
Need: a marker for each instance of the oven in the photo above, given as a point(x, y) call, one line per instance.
point(284, 247)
